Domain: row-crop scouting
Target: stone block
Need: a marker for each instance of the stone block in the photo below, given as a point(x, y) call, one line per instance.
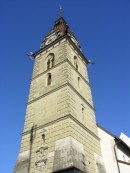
point(69, 153)
point(22, 164)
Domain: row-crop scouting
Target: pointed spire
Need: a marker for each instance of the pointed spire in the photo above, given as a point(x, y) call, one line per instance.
point(60, 10)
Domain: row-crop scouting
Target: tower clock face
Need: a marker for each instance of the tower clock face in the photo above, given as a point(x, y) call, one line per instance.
point(50, 39)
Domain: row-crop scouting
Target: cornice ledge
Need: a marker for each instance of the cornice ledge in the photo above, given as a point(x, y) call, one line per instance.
point(79, 73)
point(81, 96)
point(66, 60)
point(58, 40)
point(78, 50)
point(64, 85)
point(48, 46)
point(49, 92)
point(46, 71)
point(63, 118)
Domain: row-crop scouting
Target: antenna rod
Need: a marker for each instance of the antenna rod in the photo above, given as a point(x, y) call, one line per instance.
point(60, 10)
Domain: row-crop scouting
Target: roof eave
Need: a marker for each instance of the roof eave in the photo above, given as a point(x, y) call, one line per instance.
point(114, 136)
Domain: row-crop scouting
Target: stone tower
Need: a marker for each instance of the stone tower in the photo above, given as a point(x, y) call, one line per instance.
point(60, 132)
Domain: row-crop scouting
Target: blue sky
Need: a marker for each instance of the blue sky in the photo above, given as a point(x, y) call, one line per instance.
point(103, 30)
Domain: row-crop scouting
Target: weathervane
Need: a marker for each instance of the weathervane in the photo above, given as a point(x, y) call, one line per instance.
point(60, 10)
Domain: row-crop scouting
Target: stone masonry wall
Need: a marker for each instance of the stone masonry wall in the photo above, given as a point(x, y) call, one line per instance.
point(58, 104)
point(59, 130)
point(59, 110)
point(60, 52)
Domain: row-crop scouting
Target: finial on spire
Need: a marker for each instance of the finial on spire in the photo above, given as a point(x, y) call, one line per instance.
point(60, 10)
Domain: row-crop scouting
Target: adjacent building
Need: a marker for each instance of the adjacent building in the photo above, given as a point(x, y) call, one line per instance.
point(115, 151)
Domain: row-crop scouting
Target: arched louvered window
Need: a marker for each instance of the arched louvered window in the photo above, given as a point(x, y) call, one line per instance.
point(50, 61)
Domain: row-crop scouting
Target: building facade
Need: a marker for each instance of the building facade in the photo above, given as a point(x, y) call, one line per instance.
point(115, 151)
point(60, 132)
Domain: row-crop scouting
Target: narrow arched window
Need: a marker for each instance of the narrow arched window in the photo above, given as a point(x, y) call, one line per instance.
point(49, 79)
point(82, 106)
point(76, 62)
point(76, 66)
point(79, 82)
point(48, 64)
point(43, 139)
point(52, 62)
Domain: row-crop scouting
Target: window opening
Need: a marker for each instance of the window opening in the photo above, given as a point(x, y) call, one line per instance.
point(76, 66)
point(49, 79)
point(48, 64)
point(76, 63)
point(83, 110)
point(52, 62)
point(43, 139)
point(79, 81)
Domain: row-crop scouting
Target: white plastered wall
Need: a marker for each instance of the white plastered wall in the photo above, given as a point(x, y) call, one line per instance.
point(107, 148)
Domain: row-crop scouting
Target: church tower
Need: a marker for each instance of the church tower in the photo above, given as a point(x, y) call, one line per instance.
point(60, 132)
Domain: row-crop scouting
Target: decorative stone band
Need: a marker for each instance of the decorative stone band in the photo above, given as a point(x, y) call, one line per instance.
point(69, 153)
point(63, 118)
point(60, 40)
point(62, 86)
